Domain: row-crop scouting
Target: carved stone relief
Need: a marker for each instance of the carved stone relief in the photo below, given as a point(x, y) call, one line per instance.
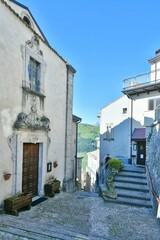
point(34, 43)
point(32, 120)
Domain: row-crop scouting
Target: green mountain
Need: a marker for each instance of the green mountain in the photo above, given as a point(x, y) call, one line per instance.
point(86, 134)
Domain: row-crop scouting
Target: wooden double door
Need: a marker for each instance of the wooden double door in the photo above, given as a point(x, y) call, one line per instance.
point(30, 168)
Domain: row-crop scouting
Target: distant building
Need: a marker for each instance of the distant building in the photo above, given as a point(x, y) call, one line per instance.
point(92, 169)
point(37, 126)
point(123, 123)
point(129, 126)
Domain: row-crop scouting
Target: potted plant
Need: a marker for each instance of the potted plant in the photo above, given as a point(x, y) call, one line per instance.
point(14, 203)
point(52, 187)
point(110, 192)
point(115, 164)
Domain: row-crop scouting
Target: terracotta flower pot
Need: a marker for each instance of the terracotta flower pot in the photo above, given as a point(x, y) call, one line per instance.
point(55, 164)
point(6, 176)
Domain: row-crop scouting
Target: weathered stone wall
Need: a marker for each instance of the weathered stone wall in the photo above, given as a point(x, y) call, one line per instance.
point(154, 160)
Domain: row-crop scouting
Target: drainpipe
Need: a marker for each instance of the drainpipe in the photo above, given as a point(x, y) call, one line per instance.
point(131, 125)
point(131, 129)
point(15, 166)
point(76, 149)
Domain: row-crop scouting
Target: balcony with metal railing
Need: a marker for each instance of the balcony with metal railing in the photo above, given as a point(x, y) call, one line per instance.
point(141, 83)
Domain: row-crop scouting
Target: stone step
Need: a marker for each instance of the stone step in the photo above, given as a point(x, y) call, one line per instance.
point(38, 234)
point(134, 169)
point(131, 186)
point(82, 194)
point(33, 230)
point(132, 174)
point(129, 197)
point(126, 180)
point(129, 201)
point(133, 194)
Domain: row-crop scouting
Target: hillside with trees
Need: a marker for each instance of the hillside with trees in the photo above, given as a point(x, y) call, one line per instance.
point(86, 134)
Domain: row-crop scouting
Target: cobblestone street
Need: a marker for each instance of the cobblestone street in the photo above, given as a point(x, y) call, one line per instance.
point(80, 216)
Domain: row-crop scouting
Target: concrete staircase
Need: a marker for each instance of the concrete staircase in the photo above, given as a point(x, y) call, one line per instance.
point(132, 188)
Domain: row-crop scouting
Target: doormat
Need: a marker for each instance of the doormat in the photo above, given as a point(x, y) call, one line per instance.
point(39, 200)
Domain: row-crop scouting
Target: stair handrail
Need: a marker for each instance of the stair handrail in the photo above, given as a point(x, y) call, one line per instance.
point(104, 173)
point(152, 188)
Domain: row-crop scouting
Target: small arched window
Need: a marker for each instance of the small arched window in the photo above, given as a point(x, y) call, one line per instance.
point(27, 21)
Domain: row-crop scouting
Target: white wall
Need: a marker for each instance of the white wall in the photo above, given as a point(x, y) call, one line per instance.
point(112, 114)
point(140, 108)
point(14, 35)
point(23, 12)
point(92, 168)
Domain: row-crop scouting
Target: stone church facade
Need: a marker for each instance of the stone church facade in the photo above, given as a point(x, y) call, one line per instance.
point(37, 126)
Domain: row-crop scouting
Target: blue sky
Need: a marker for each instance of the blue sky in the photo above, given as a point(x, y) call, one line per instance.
point(105, 41)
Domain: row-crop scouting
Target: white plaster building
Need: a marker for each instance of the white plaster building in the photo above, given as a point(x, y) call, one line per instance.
point(123, 123)
point(92, 168)
point(115, 126)
point(37, 127)
point(91, 171)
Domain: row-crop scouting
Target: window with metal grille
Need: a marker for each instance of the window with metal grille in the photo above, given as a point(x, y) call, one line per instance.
point(34, 75)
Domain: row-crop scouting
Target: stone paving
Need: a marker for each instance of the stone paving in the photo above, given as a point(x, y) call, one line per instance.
point(81, 216)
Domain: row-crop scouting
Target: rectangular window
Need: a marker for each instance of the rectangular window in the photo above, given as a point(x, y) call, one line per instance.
point(33, 68)
point(124, 110)
point(109, 132)
point(153, 103)
point(34, 75)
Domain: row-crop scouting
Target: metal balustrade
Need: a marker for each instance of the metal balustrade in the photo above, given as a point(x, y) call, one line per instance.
point(142, 80)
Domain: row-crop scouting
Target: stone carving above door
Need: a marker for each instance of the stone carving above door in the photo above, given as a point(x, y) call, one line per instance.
point(32, 120)
point(34, 43)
